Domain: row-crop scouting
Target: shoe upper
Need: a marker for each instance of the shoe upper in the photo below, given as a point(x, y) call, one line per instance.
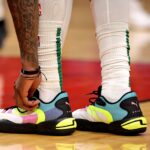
point(104, 111)
point(58, 108)
point(126, 107)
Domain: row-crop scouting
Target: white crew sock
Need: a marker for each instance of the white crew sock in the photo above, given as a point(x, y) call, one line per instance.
point(52, 21)
point(111, 20)
point(66, 20)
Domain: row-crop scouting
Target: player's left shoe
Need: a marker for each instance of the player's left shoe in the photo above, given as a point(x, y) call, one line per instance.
point(53, 118)
point(122, 117)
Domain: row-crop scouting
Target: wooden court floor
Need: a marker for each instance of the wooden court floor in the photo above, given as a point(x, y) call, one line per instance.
point(77, 141)
point(79, 46)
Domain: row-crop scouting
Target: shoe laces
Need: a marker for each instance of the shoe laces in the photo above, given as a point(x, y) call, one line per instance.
point(97, 92)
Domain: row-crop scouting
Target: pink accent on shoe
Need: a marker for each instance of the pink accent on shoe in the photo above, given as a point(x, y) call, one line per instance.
point(30, 119)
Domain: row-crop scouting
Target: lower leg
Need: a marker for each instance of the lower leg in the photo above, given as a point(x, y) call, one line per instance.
point(116, 108)
point(111, 20)
point(53, 25)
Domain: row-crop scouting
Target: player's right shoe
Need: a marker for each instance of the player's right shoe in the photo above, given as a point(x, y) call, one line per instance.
point(122, 117)
point(53, 118)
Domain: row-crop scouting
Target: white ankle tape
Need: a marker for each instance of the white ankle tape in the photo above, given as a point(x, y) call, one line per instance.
point(48, 34)
point(112, 36)
point(49, 53)
point(114, 47)
point(53, 24)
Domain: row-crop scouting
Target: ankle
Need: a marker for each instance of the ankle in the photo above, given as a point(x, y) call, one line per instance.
point(114, 93)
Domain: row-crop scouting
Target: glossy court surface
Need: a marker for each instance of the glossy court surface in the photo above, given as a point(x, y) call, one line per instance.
point(80, 53)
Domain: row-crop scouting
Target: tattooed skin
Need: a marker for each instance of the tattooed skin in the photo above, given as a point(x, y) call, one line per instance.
point(26, 17)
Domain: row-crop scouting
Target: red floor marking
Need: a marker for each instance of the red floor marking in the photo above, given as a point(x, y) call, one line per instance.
point(1, 88)
point(80, 78)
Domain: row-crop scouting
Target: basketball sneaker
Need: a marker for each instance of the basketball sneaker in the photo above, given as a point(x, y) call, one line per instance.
point(121, 117)
point(53, 118)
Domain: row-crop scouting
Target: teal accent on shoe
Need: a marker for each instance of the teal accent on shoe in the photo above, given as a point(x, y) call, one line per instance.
point(129, 95)
point(51, 105)
point(114, 108)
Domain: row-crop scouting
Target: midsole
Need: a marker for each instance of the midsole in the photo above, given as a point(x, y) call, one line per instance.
point(130, 124)
point(47, 125)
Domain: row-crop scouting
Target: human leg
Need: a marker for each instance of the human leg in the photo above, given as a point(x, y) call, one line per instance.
point(116, 108)
point(53, 116)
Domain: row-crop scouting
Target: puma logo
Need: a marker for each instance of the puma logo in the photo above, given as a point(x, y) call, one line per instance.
point(134, 103)
point(67, 103)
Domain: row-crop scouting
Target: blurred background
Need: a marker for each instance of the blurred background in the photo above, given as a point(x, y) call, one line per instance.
point(80, 43)
point(81, 52)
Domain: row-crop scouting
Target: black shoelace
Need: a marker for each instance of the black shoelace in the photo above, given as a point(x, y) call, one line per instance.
point(97, 94)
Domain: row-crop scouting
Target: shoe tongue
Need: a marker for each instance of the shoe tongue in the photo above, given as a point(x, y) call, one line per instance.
point(101, 101)
point(99, 91)
point(36, 95)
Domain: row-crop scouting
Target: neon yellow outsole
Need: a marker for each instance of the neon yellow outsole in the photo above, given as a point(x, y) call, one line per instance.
point(68, 123)
point(134, 124)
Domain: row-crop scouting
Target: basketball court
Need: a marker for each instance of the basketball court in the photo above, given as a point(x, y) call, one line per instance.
point(81, 53)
